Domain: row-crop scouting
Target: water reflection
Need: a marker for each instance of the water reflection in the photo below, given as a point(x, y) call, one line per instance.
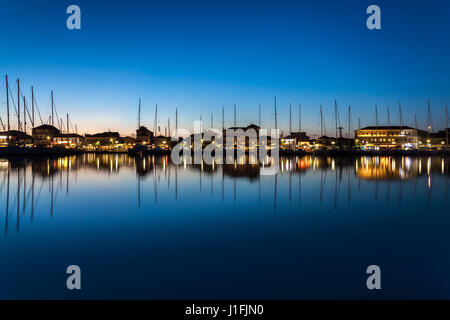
point(25, 181)
point(122, 217)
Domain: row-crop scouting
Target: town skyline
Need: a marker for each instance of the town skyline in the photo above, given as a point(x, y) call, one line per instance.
point(287, 117)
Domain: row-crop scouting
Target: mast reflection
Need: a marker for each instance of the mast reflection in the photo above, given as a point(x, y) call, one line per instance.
point(23, 180)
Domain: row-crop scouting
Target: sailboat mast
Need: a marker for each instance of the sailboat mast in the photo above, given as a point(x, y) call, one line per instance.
point(335, 118)
point(7, 106)
point(349, 121)
point(7, 103)
point(24, 115)
point(299, 118)
point(32, 106)
point(290, 118)
point(51, 94)
point(223, 117)
point(275, 102)
point(376, 116)
point(155, 124)
point(430, 121)
point(52, 114)
point(321, 121)
point(176, 119)
point(389, 117)
point(259, 115)
point(18, 105)
point(68, 131)
point(235, 115)
point(139, 114)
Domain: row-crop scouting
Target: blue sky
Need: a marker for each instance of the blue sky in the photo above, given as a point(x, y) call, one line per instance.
point(200, 55)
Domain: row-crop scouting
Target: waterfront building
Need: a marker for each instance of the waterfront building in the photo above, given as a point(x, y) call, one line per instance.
point(295, 141)
point(15, 138)
point(144, 136)
point(44, 135)
point(103, 141)
point(390, 137)
point(69, 140)
point(439, 139)
point(342, 142)
point(129, 142)
point(161, 142)
point(244, 129)
point(323, 142)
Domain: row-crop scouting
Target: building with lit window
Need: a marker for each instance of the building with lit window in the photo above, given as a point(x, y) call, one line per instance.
point(295, 141)
point(44, 135)
point(103, 141)
point(144, 136)
point(439, 139)
point(251, 129)
point(15, 138)
point(390, 137)
point(68, 140)
point(161, 142)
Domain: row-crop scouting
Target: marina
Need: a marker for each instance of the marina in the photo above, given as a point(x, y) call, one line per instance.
point(224, 159)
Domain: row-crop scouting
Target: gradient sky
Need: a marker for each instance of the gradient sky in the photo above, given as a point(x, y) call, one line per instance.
point(200, 55)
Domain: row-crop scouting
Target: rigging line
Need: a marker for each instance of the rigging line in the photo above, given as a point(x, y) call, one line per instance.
point(57, 117)
point(14, 104)
point(49, 120)
point(26, 108)
point(12, 98)
point(35, 102)
point(28, 112)
point(25, 104)
point(339, 119)
point(21, 94)
point(73, 126)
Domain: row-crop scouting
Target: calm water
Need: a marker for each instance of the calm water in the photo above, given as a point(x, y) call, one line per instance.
point(144, 228)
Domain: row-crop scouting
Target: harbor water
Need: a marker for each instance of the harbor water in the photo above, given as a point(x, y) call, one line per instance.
point(143, 228)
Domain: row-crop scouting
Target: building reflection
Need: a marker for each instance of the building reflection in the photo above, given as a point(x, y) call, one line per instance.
point(401, 168)
point(370, 168)
point(24, 182)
